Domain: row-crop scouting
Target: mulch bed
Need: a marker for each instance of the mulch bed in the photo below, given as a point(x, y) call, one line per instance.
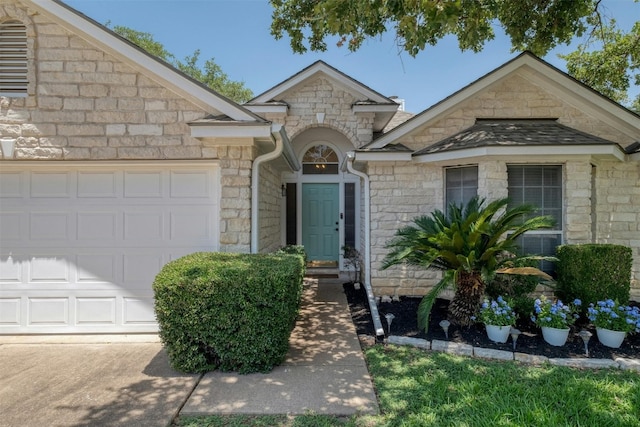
point(530, 341)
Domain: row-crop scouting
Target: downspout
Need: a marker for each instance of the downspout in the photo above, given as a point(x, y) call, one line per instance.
point(373, 307)
point(255, 179)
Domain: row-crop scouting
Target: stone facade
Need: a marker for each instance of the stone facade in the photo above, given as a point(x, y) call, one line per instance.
point(320, 95)
point(601, 203)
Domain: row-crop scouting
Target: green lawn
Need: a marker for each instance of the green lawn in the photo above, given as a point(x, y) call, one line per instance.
point(418, 388)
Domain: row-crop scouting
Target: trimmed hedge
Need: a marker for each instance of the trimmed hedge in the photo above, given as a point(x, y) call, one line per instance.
point(594, 272)
point(233, 312)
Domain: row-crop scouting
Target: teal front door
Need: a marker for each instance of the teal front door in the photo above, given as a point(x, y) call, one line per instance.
point(320, 218)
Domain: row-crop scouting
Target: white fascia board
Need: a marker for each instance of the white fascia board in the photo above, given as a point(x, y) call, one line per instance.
point(374, 108)
point(261, 109)
point(94, 34)
point(231, 131)
point(368, 156)
point(613, 151)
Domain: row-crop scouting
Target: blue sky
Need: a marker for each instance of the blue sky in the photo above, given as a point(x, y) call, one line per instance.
point(236, 34)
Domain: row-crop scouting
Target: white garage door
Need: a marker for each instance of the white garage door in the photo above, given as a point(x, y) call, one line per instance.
point(81, 244)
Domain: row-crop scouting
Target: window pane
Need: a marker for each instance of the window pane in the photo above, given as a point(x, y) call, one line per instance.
point(540, 186)
point(292, 237)
point(532, 176)
point(552, 176)
point(461, 185)
point(350, 214)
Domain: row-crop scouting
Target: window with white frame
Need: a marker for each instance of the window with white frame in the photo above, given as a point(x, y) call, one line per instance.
point(13, 59)
point(540, 186)
point(461, 184)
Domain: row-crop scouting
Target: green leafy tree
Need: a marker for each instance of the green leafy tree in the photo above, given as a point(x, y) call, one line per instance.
point(470, 245)
point(210, 74)
point(535, 25)
point(609, 61)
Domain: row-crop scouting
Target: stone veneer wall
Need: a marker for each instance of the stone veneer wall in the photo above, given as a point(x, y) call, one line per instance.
point(618, 210)
point(398, 197)
point(320, 96)
point(270, 203)
point(84, 104)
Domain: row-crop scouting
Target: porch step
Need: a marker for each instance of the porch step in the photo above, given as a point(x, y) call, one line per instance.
point(323, 272)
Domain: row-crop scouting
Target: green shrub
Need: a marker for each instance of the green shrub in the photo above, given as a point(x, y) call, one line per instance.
point(232, 312)
point(293, 250)
point(594, 272)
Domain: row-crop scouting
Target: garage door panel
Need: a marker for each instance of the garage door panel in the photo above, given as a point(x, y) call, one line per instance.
point(195, 184)
point(49, 268)
point(143, 184)
point(189, 225)
point(48, 311)
point(97, 184)
point(97, 226)
point(138, 310)
point(49, 226)
point(140, 269)
point(96, 311)
point(12, 184)
point(51, 184)
point(11, 269)
point(81, 245)
point(96, 268)
point(143, 226)
point(11, 226)
point(10, 311)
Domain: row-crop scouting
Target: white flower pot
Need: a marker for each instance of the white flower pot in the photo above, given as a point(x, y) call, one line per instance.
point(610, 338)
point(498, 333)
point(555, 336)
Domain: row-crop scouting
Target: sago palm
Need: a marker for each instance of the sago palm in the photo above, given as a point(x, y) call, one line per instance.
point(470, 245)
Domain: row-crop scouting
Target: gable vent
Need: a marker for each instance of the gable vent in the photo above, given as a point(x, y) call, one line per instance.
point(13, 59)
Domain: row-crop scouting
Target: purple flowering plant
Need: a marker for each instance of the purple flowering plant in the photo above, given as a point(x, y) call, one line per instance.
point(497, 312)
point(555, 314)
point(609, 314)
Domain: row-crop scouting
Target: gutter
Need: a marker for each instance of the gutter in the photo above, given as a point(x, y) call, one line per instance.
point(278, 136)
point(373, 307)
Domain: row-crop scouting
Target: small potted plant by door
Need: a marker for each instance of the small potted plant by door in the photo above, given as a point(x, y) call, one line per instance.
point(555, 318)
point(613, 321)
point(498, 317)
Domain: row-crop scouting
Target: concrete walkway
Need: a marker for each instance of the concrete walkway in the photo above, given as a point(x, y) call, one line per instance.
point(324, 371)
point(69, 382)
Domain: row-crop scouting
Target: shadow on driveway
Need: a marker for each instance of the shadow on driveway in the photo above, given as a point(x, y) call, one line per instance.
point(89, 384)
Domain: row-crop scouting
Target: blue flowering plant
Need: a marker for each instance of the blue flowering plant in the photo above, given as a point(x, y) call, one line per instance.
point(497, 312)
point(609, 314)
point(555, 314)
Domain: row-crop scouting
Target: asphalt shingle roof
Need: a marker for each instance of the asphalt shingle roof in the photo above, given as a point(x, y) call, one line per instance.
point(495, 133)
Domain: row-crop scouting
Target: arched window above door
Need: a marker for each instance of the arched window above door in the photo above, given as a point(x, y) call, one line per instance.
point(320, 160)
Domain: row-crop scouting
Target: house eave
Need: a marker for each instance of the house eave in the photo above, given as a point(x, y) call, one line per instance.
point(382, 156)
point(261, 109)
point(599, 152)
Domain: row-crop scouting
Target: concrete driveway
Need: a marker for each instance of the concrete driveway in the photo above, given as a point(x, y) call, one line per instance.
point(89, 384)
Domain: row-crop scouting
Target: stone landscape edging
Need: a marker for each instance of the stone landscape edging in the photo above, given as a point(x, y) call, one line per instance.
point(488, 353)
